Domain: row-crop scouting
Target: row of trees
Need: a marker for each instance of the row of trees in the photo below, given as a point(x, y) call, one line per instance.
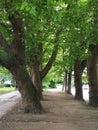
point(83, 48)
point(33, 32)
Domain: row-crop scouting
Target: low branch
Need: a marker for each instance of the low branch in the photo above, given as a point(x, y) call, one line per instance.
point(17, 44)
point(52, 58)
point(2, 61)
point(5, 26)
point(49, 64)
point(4, 43)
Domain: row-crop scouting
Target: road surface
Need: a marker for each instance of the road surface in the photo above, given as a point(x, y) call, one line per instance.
point(7, 101)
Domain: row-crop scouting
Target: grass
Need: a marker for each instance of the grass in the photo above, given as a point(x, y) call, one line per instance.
point(4, 90)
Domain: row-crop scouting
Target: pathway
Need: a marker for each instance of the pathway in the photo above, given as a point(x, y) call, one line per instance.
point(7, 101)
point(63, 112)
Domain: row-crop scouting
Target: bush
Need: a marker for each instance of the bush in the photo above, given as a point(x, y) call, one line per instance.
point(52, 84)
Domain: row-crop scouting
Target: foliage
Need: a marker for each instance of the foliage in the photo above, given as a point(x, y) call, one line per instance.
point(5, 74)
point(54, 77)
point(77, 28)
point(52, 84)
point(84, 79)
point(6, 90)
point(41, 20)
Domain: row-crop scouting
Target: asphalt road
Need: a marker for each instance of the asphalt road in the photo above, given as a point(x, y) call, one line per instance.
point(7, 101)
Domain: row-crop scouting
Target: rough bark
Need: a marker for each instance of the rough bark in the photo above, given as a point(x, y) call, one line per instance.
point(93, 59)
point(92, 75)
point(78, 80)
point(35, 68)
point(31, 102)
point(36, 78)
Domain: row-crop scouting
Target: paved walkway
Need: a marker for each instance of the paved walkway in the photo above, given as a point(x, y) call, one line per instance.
point(7, 101)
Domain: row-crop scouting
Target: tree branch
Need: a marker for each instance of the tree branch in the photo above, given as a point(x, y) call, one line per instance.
point(17, 45)
point(53, 56)
point(4, 43)
point(2, 62)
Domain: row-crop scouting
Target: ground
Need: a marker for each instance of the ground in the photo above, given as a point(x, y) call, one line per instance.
point(63, 112)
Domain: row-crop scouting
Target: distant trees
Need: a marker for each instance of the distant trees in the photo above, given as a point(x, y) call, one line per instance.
point(75, 41)
point(80, 43)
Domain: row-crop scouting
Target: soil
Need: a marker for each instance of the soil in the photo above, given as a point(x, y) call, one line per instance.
point(63, 112)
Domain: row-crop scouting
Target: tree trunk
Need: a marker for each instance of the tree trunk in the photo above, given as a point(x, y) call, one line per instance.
point(92, 75)
point(36, 78)
point(28, 92)
point(66, 81)
point(69, 83)
point(35, 68)
point(37, 74)
point(78, 80)
point(64, 88)
point(93, 59)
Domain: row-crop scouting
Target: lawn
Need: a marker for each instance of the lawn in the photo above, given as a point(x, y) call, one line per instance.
point(6, 89)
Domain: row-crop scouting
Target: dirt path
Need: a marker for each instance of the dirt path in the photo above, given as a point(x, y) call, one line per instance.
point(63, 113)
point(7, 101)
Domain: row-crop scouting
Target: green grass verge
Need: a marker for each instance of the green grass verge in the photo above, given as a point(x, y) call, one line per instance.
point(7, 89)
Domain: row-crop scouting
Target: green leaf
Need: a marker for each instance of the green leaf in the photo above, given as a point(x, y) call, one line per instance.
point(24, 5)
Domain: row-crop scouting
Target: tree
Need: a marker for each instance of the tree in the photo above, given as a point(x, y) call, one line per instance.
point(13, 57)
point(92, 75)
point(69, 81)
point(92, 69)
point(76, 36)
point(78, 79)
point(46, 33)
